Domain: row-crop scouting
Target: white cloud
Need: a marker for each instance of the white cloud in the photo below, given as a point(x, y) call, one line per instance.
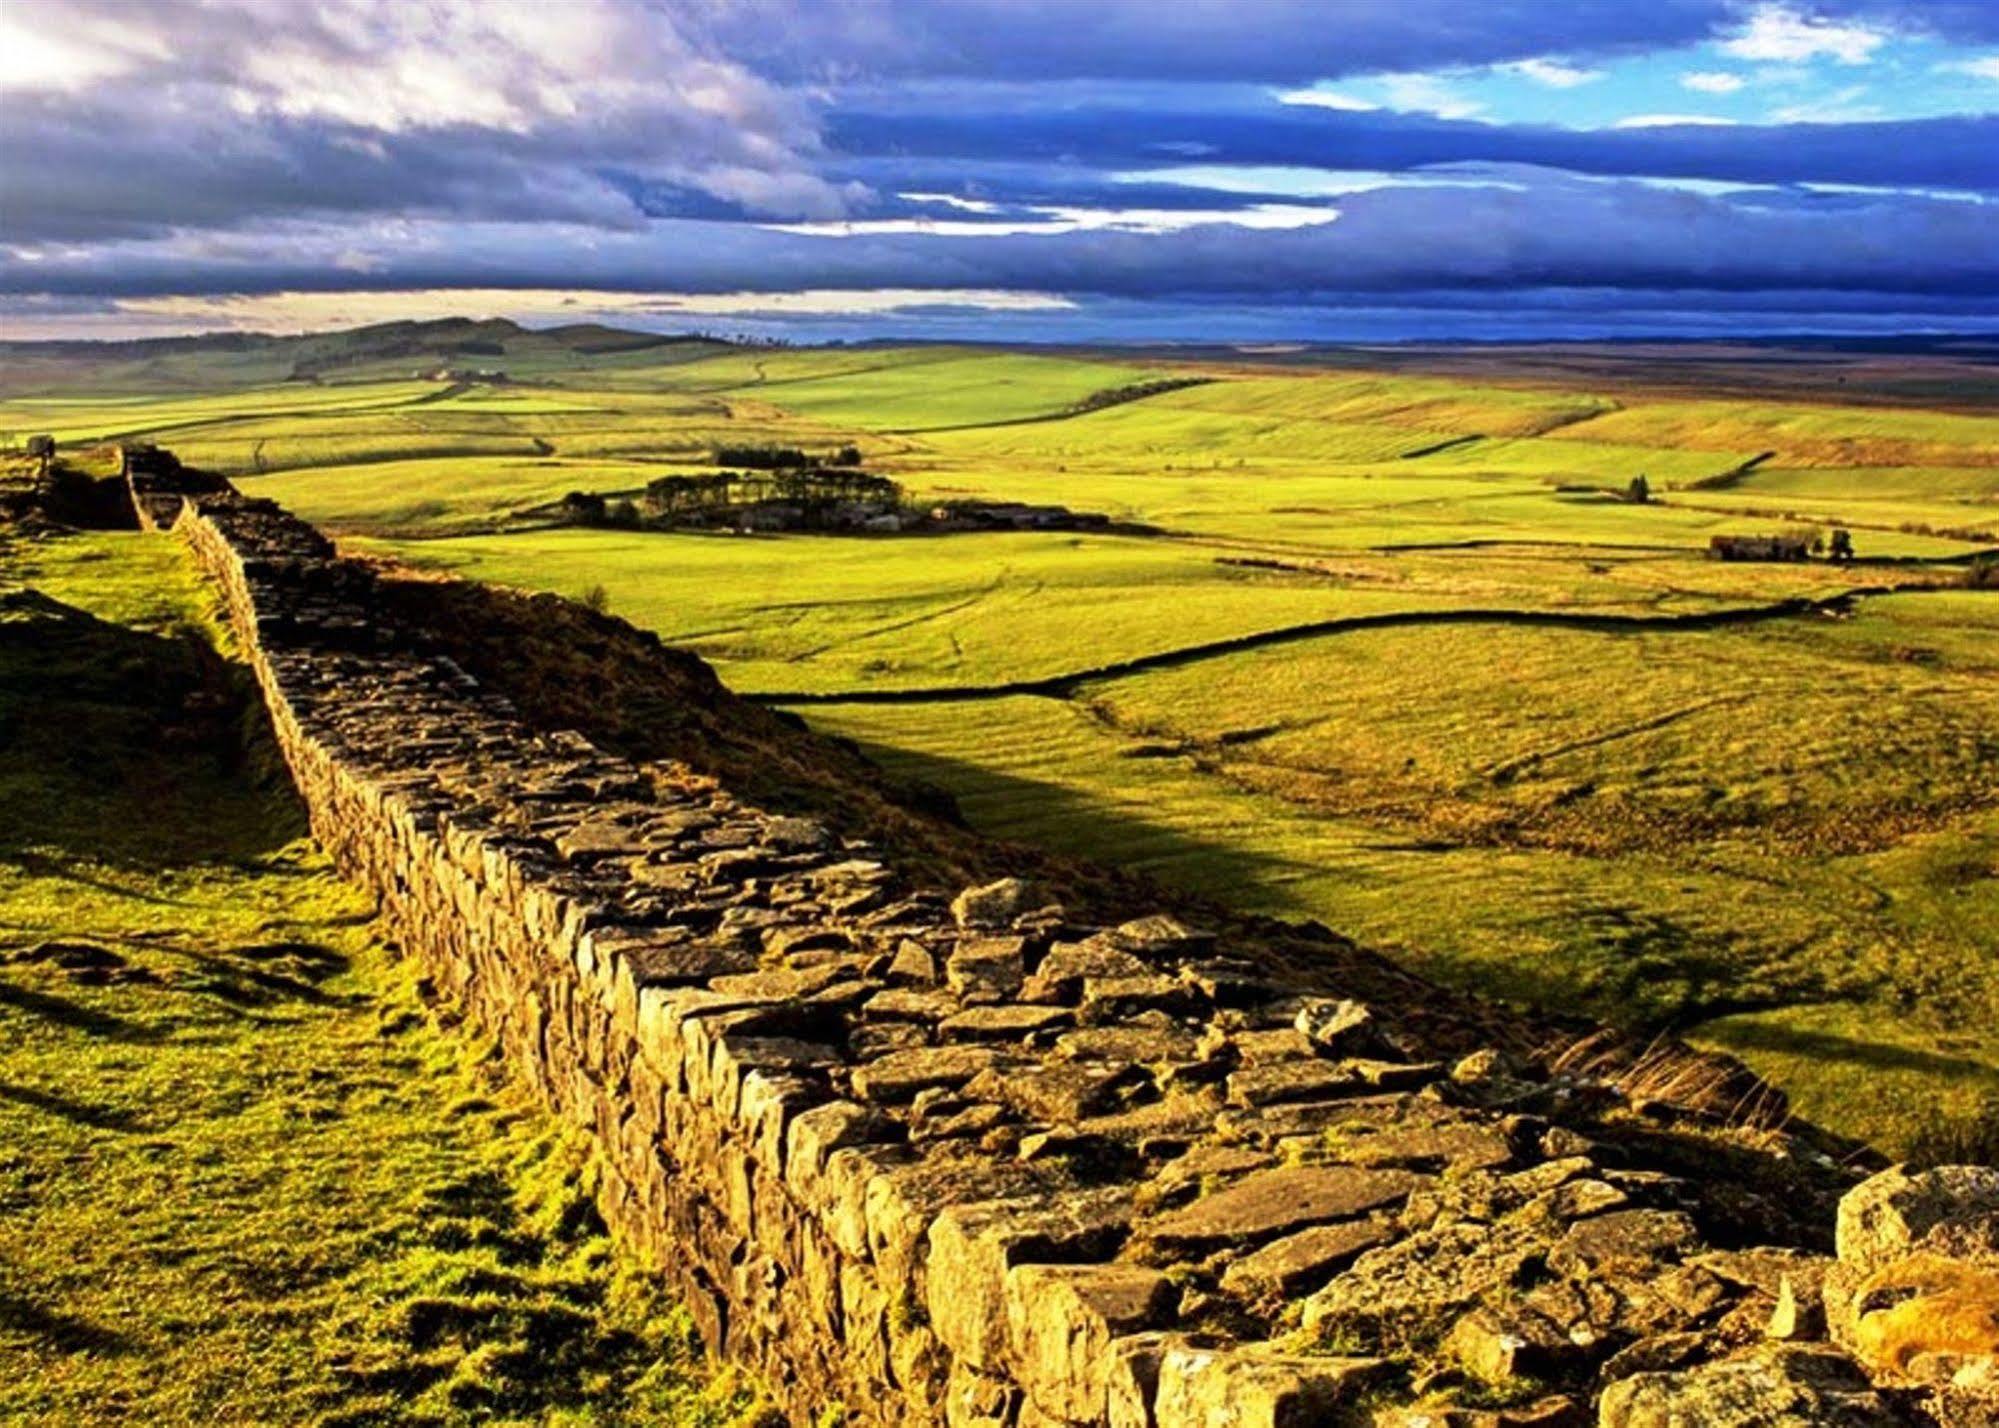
point(540, 80)
point(1784, 35)
point(1327, 99)
point(1552, 73)
point(1077, 220)
point(1839, 107)
point(1304, 183)
point(1712, 81)
point(51, 50)
point(951, 200)
point(1665, 121)
point(1427, 94)
point(1985, 67)
point(1413, 93)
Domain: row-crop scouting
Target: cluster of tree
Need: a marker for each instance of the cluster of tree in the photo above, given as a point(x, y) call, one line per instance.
point(676, 495)
point(587, 508)
point(781, 458)
point(1131, 392)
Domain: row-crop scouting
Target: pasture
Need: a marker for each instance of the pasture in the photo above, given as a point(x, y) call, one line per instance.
point(1386, 649)
point(246, 1177)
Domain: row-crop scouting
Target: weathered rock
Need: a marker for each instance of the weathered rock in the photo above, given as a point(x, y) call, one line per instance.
point(1257, 1387)
point(1457, 1146)
point(1061, 1320)
point(1140, 1045)
point(1001, 1022)
point(1498, 1345)
point(1113, 999)
point(1061, 1093)
point(1952, 1210)
point(1067, 965)
point(1777, 1387)
point(1160, 936)
point(908, 1004)
point(1301, 1262)
point(1272, 1202)
point(988, 967)
point(1623, 1242)
point(901, 1074)
point(1339, 1028)
point(973, 1248)
point(913, 962)
point(1131, 1378)
point(1424, 1278)
point(994, 904)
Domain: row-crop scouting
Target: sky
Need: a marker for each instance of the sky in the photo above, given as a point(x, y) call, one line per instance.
point(1012, 170)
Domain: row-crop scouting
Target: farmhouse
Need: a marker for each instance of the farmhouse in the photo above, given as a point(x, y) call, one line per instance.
point(1012, 516)
point(1773, 547)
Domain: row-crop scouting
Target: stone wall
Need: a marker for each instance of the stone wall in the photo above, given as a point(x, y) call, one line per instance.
point(941, 1155)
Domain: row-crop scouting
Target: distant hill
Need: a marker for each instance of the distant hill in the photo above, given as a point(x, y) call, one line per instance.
point(388, 349)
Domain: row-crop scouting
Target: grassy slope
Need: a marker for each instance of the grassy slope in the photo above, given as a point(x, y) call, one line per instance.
point(242, 1176)
point(1713, 833)
point(1331, 476)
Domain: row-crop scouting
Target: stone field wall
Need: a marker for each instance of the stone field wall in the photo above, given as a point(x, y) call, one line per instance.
point(941, 1155)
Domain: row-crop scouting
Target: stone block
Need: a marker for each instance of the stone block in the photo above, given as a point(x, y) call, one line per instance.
point(1953, 1209)
point(1258, 1387)
point(974, 1247)
point(1274, 1202)
point(1061, 1320)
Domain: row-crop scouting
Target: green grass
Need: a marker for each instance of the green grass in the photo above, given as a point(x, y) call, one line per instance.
point(243, 1178)
point(1777, 838)
point(907, 389)
point(1711, 834)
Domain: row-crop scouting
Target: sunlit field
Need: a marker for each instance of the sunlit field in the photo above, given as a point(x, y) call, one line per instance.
point(1391, 651)
point(246, 1178)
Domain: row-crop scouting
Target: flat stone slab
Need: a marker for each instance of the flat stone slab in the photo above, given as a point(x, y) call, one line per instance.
point(1007, 1022)
point(1274, 1201)
point(1302, 1262)
point(901, 1074)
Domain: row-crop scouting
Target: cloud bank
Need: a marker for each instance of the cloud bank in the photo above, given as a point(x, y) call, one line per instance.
point(1090, 162)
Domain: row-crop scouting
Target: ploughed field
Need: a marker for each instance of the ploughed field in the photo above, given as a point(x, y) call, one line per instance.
point(1388, 650)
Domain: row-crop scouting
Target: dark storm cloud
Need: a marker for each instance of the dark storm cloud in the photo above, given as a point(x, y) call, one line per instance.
point(202, 146)
point(1548, 231)
point(1953, 152)
point(1263, 41)
point(1273, 41)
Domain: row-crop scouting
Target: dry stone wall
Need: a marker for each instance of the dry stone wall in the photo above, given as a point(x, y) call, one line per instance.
point(952, 1156)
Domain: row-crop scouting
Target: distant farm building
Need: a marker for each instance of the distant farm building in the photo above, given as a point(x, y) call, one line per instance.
point(492, 376)
point(1770, 547)
point(1012, 516)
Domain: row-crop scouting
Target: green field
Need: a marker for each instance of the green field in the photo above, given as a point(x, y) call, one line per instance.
point(1385, 650)
point(244, 1178)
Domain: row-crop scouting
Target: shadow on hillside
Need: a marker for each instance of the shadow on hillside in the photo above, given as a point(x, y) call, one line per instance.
point(63, 1332)
point(1099, 830)
point(261, 975)
point(1828, 1046)
point(123, 750)
point(108, 1118)
point(74, 1015)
